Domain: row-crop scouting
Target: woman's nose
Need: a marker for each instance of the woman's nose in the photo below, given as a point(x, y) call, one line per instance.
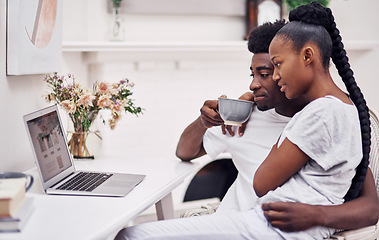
point(275, 76)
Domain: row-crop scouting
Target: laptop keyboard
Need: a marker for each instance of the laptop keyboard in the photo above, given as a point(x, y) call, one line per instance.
point(85, 181)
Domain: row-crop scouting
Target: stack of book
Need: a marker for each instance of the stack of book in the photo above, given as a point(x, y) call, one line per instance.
point(15, 207)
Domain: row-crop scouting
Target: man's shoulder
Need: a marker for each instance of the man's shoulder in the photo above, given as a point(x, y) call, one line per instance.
point(268, 116)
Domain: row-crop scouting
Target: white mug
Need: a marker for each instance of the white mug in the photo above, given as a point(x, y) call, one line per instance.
point(29, 177)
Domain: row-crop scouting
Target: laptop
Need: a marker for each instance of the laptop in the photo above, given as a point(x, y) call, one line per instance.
point(56, 166)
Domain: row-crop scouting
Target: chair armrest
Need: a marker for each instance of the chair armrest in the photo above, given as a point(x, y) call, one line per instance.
point(366, 233)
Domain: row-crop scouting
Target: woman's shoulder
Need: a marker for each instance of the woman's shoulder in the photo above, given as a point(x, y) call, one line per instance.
point(329, 104)
point(327, 109)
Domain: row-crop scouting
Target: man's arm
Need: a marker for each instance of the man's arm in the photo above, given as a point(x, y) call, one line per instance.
point(360, 212)
point(190, 144)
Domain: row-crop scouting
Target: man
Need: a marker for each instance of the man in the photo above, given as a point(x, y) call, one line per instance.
point(262, 130)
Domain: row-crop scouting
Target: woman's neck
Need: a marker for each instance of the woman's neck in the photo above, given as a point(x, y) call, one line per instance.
point(326, 86)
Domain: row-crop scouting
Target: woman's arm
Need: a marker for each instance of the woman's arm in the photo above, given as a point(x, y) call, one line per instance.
point(281, 164)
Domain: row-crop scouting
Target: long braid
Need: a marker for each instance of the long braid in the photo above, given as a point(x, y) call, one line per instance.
point(315, 13)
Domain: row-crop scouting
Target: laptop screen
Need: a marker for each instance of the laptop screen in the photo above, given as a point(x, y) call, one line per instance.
point(49, 144)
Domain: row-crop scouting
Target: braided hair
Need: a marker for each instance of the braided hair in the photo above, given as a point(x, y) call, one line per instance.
point(315, 23)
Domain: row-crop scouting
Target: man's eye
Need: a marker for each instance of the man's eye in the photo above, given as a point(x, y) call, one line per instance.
point(264, 75)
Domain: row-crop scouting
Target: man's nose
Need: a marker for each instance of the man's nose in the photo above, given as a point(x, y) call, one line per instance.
point(254, 85)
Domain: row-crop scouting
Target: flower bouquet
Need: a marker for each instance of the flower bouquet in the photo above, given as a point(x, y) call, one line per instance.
point(83, 106)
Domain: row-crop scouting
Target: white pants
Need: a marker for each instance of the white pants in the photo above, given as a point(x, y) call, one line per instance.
point(224, 226)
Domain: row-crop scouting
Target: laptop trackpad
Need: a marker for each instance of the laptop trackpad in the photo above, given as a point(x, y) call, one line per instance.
point(119, 183)
point(115, 188)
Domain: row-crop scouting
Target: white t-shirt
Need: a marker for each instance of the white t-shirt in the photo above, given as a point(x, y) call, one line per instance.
point(248, 152)
point(328, 131)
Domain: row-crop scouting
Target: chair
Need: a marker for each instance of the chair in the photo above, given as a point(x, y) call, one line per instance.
point(371, 232)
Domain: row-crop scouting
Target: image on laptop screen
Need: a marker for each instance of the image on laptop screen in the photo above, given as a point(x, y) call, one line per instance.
point(49, 144)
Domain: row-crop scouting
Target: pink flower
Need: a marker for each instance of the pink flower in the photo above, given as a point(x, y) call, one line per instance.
point(103, 87)
point(118, 106)
point(69, 106)
point(86, 100)
point(104, 101)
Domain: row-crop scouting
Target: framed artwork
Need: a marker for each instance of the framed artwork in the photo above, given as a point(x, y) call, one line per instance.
point(261, 11)
point(34, 36)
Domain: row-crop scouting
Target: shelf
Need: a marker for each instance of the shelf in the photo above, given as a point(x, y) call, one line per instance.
point(153, 46)
point(235, 51)
point(224, 46)
point(104, 52)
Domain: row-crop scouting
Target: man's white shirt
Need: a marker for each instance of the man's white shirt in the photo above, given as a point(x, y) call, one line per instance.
point(248, 152)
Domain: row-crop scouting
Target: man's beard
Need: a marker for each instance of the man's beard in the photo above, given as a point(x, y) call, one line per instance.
point(263, 107)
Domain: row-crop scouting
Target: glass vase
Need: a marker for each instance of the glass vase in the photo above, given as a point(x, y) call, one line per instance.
point(117, 33)
point(84, 142)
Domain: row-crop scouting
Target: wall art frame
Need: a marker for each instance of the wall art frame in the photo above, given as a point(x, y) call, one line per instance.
point(34, 36)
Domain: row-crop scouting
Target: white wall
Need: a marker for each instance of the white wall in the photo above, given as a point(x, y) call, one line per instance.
point(171, 95)
point(18, 96)
point(356, 21)
point(89, 20)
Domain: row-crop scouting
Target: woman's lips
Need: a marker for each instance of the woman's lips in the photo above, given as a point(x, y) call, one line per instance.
point(282, 86)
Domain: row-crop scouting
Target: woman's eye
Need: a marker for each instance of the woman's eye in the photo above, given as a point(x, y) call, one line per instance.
point(277, 64)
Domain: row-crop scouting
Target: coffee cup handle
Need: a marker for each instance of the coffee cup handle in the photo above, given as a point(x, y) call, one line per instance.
point(30, 183)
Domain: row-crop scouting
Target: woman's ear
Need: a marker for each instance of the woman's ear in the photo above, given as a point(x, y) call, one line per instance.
point(308, 54)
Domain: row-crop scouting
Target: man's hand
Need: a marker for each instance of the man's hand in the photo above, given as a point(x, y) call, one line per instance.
point(290, 216)
point(209, 116)
point(360, 212)
point(248, 96)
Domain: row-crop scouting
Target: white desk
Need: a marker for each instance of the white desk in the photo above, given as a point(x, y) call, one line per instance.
point(80, 217)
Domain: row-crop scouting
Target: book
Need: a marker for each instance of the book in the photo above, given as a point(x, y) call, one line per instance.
point(12, 195)
point(17, 223)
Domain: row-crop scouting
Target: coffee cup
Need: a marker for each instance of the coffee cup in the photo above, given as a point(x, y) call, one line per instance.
point(30, 179)
point(234, 111)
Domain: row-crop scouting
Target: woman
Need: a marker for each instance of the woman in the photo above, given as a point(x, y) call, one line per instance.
point(315, 158)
